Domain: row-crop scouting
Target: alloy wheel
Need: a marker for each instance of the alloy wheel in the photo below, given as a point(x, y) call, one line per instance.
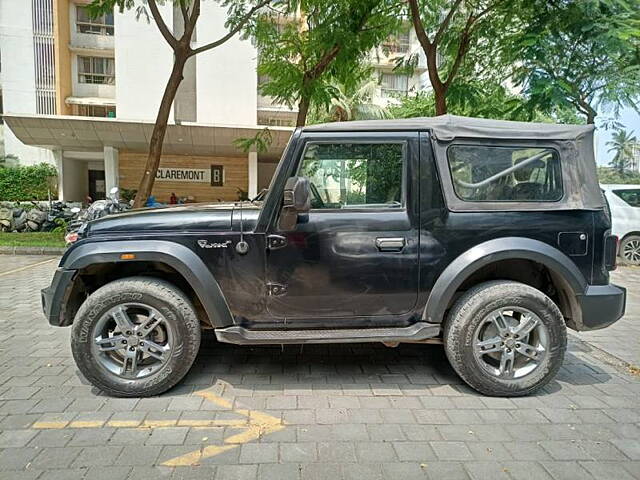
point(510, 342)
point(631, 251)
point(132, 340)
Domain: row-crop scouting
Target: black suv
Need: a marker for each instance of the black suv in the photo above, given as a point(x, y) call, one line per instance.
point(489, 236)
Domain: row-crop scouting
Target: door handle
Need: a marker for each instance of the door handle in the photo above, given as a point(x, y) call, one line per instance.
point(390, 244)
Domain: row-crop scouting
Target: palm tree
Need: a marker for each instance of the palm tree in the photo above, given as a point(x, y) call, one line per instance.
point(352, 103)
point(622, 144)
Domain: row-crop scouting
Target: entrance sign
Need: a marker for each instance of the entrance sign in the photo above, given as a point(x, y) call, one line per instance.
point(199, 175)
point(217, 175)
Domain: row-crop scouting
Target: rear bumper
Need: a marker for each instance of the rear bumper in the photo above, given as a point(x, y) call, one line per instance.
point(601, 305)
point(54, 297)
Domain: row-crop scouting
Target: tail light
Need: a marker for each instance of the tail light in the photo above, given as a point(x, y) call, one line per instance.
point(610, 252)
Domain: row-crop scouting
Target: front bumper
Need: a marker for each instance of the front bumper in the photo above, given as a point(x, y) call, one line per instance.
point(601, 305)
point(54, 297)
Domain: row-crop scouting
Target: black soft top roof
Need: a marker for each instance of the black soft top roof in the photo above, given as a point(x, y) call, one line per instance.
point(448, 127)
point(574, 143)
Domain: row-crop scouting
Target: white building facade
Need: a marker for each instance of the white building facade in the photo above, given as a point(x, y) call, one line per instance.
point(58, 63)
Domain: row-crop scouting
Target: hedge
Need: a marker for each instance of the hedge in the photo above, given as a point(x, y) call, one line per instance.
point(27, 182)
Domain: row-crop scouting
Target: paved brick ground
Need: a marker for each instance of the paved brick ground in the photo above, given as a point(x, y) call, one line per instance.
point(335, 412)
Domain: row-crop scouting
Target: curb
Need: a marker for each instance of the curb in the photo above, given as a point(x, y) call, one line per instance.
point(32, 250)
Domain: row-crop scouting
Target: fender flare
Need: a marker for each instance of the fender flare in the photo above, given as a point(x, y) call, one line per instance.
point(177, 256)
point(491, 251)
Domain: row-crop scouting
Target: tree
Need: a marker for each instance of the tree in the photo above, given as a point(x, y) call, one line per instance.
point(449, 31)
point(475, 97)
point(240, 14)
point(621, 143)
point(351, 103)
point(309, 46)
point(582, 53)
point(611, 176)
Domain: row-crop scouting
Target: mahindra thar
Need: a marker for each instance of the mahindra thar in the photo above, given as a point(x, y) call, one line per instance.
point(491, 237)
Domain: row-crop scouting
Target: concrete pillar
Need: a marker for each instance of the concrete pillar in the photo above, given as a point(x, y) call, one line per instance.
point(111, 168)
point(57, 156)
point(253, 174)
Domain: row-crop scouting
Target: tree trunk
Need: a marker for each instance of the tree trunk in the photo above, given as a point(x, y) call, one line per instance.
point(441, 101)
point(303, 110)
point(160, 129)
point(591, 118)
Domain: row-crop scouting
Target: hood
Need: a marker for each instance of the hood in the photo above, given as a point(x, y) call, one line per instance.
point(173, 218)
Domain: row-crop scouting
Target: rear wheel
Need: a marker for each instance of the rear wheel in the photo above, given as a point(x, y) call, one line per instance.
point(630, 249)
point(505, 338)
point(135, 337)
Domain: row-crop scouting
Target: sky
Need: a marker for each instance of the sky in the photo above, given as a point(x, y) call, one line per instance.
point(631, 121)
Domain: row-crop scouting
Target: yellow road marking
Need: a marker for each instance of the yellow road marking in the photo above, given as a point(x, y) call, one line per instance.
point(16, 270)
point(49, 425)
point(159, 423)
point(253, 426)
point(123, 423)
point(86, 424)
point(256, 425)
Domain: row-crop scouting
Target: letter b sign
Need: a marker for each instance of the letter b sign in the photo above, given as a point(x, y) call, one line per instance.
point(217, 176)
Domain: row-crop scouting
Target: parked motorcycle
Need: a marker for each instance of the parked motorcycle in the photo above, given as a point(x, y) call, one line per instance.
point(97, 209)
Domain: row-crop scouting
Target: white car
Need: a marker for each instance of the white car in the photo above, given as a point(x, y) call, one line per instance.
point(624, 202)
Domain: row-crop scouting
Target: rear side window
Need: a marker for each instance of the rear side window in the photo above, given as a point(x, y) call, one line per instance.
point(505, 174)
point(632, 197)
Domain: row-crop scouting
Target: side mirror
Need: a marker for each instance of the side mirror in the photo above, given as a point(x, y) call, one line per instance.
point(296, 200)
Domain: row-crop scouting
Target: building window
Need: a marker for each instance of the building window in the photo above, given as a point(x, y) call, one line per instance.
point(399, 42)
point(275, 121)
point(102, 25)
point(393, 84)
point(96, 70)
point(108, 111)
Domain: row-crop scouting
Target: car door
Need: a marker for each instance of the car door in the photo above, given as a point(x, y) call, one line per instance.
point(356, 252)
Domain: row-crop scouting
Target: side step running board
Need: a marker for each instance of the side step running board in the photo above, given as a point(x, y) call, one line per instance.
point(243, 336)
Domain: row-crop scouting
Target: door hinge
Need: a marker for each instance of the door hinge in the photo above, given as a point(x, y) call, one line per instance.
point(276, 289)
point(275, 242)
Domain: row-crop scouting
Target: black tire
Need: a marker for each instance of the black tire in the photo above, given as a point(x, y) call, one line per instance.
point(629, 249)
point(468, 315)
point(176, 309)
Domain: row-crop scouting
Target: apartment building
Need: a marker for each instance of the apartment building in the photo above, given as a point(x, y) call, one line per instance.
point(83, 93)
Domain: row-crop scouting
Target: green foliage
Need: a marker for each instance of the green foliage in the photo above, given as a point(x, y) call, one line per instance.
point(32, 239)
point(352, 102)
point(584, 54)
point(612, 176)
point(32, 182)
point(302, 58)
point(261, 141)
point(621, 144)
point(128, 194)
point(476, 98)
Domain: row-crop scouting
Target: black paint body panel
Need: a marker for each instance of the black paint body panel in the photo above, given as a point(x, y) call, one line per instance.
point(331, 271)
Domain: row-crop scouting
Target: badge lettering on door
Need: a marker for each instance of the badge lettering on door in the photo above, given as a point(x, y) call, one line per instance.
point(207, 244)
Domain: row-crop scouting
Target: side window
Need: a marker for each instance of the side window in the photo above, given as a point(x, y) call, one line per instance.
point(632, 197)
point(505, 174)
point(354, 175)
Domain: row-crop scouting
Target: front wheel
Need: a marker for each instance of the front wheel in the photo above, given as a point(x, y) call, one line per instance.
point(135, 337)
point(505, 338)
